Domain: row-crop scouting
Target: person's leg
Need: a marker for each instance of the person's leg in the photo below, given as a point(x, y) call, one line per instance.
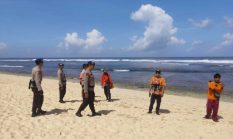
point(82, 107)
point(82, 92)
point(91, 102)
point(34, 104)
point(64, 92)
point(208, 109)
point(106, 92)
point(215, 110)
point(152, 101)
point(40, 103)
point(60, 93)
point(110, 96)
point(158, 97)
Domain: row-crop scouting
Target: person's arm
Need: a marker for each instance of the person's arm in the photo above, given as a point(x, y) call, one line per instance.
point(102, 80)
point(110, 79)
point(211, 86)
point(59, 75)
point(38, 78)
point(85, 84)
point(162, 86)
point(219, 88)
point(151, 86)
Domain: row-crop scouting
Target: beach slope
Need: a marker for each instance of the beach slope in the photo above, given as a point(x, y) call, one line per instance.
point(124, 118)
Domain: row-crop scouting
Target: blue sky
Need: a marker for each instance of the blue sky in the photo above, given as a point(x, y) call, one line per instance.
point(87, 28)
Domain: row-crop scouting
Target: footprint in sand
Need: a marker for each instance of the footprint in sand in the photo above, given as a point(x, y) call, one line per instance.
point(231, 122)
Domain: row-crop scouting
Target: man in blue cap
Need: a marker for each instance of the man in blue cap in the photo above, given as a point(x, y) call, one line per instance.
point(38, 96)
point(88, 89)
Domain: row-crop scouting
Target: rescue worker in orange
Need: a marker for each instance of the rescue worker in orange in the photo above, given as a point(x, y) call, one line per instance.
point(214, 92)
point(156, 92)
point(107, 84)
point(81, 78)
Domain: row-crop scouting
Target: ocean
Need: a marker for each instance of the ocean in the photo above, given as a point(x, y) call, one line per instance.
point(186, 74)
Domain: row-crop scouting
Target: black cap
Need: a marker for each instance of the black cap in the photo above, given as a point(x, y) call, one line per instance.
point(38, 61)
point(60, 64)
point(91, 63)
point(158, 71)
point(85, 65)
point(217, 75)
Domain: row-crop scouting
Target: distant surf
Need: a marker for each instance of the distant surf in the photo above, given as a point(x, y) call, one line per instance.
point(8, 66)
point(187, 61)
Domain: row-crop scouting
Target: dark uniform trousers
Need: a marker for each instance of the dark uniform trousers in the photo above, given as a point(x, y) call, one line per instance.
point(107, 92)
point(88, 101)
point(82, 92)
point(152, 101)
point(62, 92)
point(38, 99)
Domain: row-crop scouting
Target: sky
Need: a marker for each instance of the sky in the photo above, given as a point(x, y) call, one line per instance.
point(116, 28)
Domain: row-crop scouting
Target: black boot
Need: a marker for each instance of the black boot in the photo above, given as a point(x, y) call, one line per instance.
point(61, 101)
point(41, 112)
point(149, 112)
point(34, 114)
point(79, 114)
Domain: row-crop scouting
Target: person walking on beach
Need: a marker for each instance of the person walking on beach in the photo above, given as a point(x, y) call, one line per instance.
point(38, 95)
point(81, 78)
point(62, 82)
point(89, 94)
point(157, 83)
point(107, 84)
point(214, 92)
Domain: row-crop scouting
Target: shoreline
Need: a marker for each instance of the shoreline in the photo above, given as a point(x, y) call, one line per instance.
point(226, 97)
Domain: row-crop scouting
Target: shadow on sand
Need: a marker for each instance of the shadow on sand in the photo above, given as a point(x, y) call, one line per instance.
point(113, 100)
point(57, 111)
point(165, 111)
point(73, 101)
point(220, 117)
point(106, 112)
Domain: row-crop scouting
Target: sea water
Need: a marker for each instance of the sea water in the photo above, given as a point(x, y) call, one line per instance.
point(186, 73)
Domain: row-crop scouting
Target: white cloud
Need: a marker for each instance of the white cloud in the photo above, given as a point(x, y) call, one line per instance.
point(228, 39)
point(200, 24)
point(229, 21)
point(3, 45)
point(159, 31)
point(94, 39)
point(197, 42)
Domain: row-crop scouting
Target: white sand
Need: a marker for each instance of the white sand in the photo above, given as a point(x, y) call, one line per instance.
point(125, 118)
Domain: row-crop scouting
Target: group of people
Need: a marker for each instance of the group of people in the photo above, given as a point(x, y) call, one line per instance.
point(87, 82)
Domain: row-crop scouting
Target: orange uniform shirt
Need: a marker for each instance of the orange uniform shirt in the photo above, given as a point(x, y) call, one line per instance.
point(105, 78)
point(155, 80)
point(161, 81)
point(214, 86)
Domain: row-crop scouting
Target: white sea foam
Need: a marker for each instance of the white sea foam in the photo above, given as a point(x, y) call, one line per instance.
point(82, 60)
point(121, 70)
point(8, 66)
point(16, 60)
point(187, 61)
point(205, 61)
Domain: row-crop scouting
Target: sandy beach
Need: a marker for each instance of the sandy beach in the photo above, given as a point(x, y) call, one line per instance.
point(124, 118)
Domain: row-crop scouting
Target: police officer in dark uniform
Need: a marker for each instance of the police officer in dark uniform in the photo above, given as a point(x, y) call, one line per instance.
point(62, 82)
point(35, 85)
point(89, 94)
